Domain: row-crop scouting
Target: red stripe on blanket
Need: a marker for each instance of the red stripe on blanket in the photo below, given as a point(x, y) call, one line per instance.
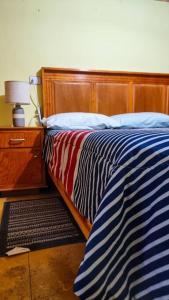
point(72, 160)
point(65, 153)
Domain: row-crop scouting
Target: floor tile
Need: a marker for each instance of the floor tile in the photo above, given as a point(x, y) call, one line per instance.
point(14, 278)
point(53, 271)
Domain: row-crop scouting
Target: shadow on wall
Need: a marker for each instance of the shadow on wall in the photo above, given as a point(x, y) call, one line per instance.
point(5, 112)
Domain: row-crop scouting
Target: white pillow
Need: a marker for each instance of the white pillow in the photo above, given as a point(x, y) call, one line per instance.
point(79, 120)
point(141, 120)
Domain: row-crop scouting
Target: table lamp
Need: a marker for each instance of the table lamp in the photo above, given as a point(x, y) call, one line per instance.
point(17, 92)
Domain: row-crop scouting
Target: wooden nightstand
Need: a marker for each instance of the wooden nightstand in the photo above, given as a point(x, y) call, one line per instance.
point(21, 164)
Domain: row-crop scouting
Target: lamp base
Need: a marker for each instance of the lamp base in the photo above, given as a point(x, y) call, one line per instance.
point(18, 116)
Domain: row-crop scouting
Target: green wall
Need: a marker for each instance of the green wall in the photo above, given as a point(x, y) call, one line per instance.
point(131, 35)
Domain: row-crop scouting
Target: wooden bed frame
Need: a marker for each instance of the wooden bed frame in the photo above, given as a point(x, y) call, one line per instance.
point(106, 92)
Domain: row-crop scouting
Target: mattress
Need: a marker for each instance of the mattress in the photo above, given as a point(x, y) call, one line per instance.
point(119, 180)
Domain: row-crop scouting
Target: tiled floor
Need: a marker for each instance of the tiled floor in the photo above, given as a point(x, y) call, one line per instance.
point(46, 274)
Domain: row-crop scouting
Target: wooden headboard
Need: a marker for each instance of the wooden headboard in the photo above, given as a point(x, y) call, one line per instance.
point(106, 92)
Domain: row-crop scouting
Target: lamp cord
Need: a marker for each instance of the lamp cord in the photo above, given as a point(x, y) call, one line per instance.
point(37, 106)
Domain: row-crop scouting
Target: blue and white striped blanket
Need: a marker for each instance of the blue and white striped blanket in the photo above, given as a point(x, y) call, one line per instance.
point(122, 186)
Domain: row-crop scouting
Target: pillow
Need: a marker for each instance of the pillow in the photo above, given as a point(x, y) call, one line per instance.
point(141, 120)
point(78, 120)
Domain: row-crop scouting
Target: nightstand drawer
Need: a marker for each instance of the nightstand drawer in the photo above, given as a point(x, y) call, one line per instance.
point(21, 163)
point(20, 138)
point(21, 168)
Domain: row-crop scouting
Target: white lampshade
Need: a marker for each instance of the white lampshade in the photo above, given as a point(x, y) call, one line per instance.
point(17, 92)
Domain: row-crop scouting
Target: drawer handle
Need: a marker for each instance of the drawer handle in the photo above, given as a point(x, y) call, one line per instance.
point(16, 141)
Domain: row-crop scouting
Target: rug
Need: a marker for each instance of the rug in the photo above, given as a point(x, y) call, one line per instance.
point(37, 224)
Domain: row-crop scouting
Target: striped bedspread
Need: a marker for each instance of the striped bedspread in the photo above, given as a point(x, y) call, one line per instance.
point(119, 180)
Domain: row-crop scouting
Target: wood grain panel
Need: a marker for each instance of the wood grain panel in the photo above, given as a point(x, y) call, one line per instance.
point(21, 164)
point(15, 138)
point(167, 97)
point(70, 97)
point(95, 91)
point(112, 98)
point(48, 98)
point(149, 98)
point(26, 171)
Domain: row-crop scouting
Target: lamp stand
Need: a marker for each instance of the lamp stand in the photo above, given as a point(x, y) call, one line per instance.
point(18, 116)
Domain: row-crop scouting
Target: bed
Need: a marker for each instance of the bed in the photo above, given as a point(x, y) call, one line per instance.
point(127, 252)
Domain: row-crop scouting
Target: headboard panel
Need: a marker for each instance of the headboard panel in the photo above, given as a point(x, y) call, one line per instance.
point(68, 90)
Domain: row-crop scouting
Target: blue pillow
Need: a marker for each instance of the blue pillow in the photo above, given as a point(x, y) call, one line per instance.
point(79, 120)
point(141, 120)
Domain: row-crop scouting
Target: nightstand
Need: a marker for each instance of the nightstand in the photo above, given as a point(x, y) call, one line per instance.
point(21, 164)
